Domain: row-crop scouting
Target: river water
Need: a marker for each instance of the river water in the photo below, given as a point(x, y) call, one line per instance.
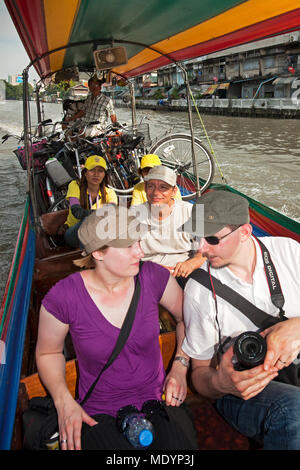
point(259, 157)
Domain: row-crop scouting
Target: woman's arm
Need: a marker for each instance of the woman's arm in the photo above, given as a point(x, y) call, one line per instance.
point(51, 368)
point(175, 384)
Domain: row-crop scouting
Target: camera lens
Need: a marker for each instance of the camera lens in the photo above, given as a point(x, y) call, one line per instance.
point(250, 349)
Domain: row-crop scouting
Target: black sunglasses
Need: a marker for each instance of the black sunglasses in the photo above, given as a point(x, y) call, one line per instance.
point(150, 408)
point(213, 240)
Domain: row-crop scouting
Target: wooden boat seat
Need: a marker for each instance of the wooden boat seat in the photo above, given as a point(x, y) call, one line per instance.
point(51, 221)
point(48, 241)
point(212, 431)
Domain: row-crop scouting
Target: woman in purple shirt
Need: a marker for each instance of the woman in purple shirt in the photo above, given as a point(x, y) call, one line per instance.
point(92, 304)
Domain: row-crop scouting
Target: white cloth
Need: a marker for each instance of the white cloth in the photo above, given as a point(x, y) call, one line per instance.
point(162, 243)
point(201, 341)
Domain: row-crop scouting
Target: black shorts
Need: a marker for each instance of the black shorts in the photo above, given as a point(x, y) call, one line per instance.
point(177, 433)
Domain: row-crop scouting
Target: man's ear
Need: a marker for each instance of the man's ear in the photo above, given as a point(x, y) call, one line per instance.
point(174, 191)
point(246, 231)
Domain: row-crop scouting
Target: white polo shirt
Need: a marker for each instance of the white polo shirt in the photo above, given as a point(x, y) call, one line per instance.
point(162, 243)
point(202, 340)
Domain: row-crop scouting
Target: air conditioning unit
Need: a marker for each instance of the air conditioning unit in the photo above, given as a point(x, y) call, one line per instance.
point(108, 58)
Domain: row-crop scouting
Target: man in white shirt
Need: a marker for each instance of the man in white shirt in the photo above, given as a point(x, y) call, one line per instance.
point(162, 243)
point(250, 400)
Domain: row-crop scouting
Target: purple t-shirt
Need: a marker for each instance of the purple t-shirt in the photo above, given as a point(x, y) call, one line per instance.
point(137, 374)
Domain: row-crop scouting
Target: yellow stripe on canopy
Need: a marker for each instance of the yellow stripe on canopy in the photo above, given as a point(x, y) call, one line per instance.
point(59, 19)
point(243, 15)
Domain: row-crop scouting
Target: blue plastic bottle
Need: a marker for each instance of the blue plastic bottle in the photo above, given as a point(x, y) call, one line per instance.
point(138, 430)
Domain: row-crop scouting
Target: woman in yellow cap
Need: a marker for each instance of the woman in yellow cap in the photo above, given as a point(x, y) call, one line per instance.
point(87, 194)
point(139, 194)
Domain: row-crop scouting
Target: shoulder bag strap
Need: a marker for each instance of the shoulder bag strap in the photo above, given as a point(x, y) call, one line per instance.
point(123, 335)
point(260, 318)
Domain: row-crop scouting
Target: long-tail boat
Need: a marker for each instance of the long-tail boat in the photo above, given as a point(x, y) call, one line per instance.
point(62, 34)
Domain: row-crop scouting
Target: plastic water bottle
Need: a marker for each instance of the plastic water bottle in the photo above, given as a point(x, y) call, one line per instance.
point(138, 430)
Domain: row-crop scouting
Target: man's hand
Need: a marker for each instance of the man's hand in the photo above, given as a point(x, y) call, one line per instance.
point(283, 342)
point(243, 384)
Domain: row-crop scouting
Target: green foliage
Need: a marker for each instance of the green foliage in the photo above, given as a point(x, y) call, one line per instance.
point(60, 89)
point(175, 94)
point(158, 95)
point(15, 92)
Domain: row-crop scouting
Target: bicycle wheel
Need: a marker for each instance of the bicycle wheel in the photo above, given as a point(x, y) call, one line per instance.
point(175, 152)
point(123, 177)
point(60, 204)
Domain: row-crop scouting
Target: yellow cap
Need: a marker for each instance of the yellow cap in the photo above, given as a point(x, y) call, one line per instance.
point(149, 161)
point(93, 161)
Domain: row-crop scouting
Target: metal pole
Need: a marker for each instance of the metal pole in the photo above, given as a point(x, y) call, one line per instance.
point(188, 97)
point(38, 110)
point(27, 142)
point(133, 110)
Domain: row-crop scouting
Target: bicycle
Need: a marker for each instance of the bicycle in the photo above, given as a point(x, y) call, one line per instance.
point(122, 147)
point(123, 151)
point(50, 168)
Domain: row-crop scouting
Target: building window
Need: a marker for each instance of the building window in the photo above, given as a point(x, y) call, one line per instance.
point(269, 62)
point(251, 64)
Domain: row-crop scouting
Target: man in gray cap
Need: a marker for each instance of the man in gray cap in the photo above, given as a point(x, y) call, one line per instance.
point(162, 243)
point(256, 269)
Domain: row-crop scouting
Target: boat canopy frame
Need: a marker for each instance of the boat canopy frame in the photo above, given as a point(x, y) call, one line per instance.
point(96, 43)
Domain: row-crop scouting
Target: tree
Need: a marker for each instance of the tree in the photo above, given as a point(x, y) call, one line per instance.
point(15, 92)
point(60, 89)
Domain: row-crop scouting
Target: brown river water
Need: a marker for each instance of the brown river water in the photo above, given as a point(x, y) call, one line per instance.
point(257, 156)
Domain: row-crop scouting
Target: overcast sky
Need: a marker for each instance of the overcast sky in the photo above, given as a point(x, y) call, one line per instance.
point(13, 57)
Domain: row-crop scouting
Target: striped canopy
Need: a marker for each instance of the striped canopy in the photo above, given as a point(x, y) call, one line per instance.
point(154, 32)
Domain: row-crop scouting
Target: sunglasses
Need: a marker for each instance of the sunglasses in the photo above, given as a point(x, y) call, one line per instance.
point(150, 408)
point(213, 240)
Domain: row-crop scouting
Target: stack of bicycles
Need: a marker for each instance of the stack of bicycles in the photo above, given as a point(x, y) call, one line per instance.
point(58, 158)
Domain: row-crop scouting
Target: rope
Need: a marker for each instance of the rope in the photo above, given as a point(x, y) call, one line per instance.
point(207, 137)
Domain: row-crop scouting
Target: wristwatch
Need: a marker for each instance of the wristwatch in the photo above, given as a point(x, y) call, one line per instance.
point(184, 361)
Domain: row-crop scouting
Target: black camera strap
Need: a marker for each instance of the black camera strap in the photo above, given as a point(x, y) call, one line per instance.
point(272, 278)
point(260, 318)
point(123, 335)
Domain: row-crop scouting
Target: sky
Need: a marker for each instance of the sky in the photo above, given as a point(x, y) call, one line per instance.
point(13, 57)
